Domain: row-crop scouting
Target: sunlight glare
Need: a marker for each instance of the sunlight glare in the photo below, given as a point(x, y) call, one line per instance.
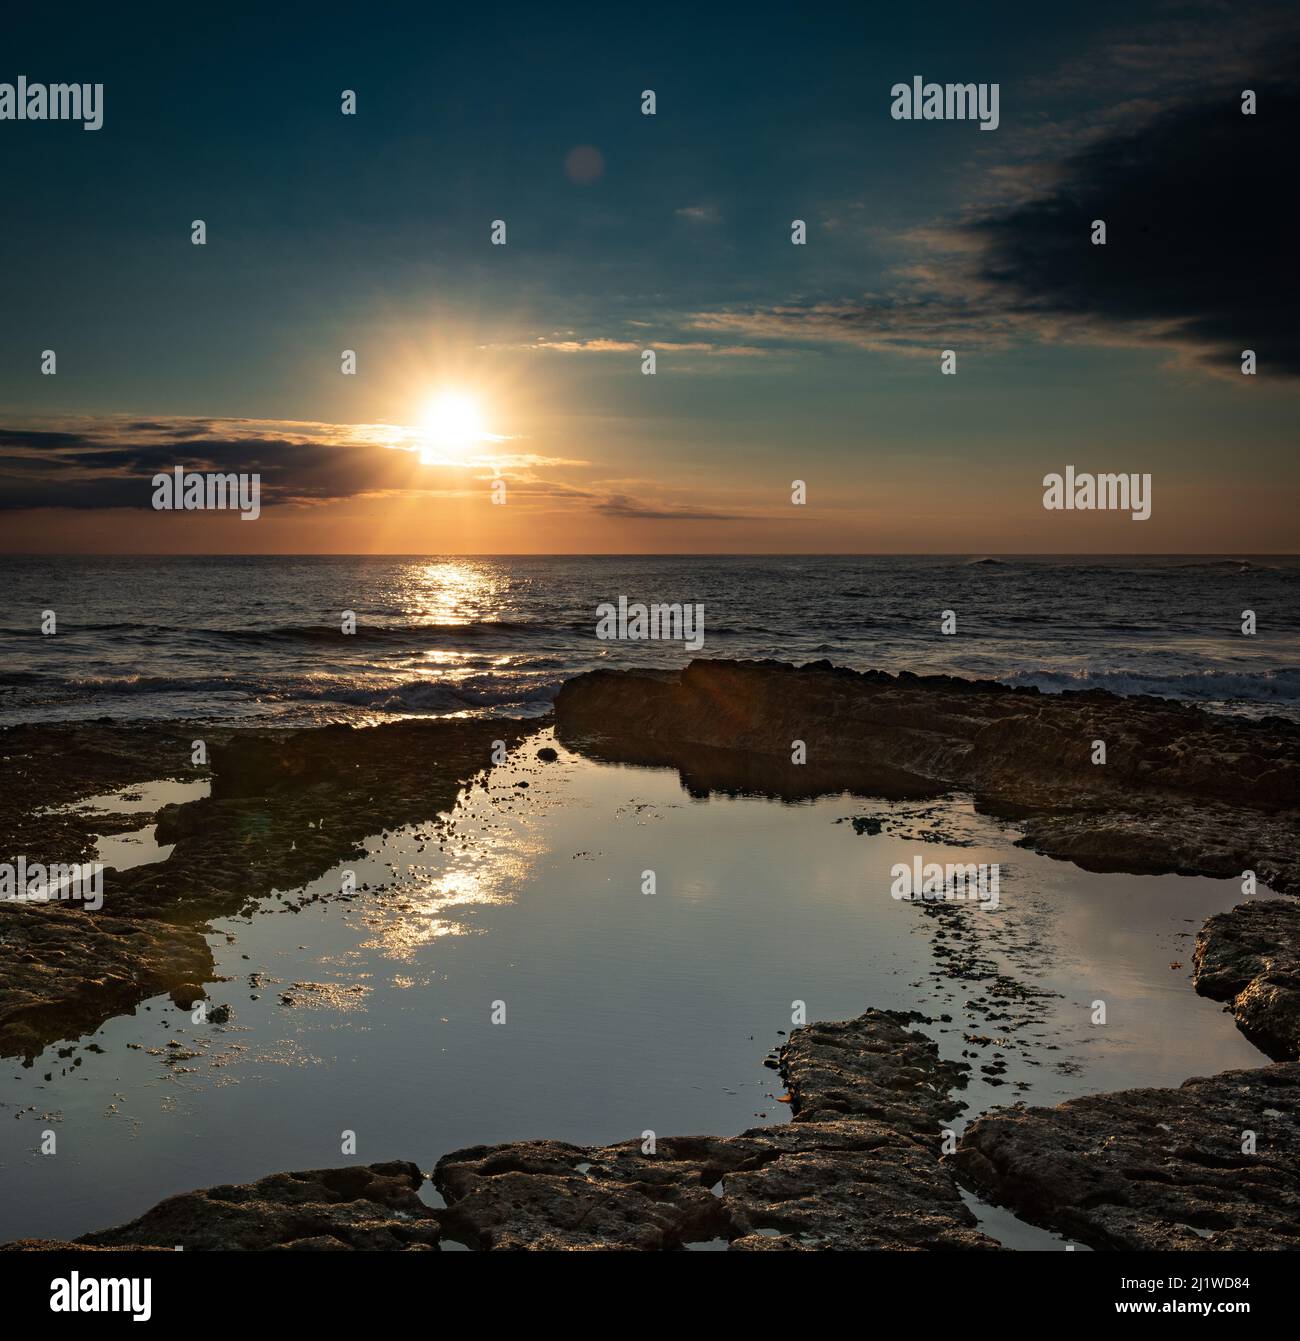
point(453, 424)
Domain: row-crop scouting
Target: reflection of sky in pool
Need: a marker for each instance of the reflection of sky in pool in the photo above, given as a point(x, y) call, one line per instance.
point(624, 1011)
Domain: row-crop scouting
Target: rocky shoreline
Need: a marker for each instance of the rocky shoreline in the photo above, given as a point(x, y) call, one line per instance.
point(1213, 1164)
point(1250, 957)
point(285, 807)
point(862, 1164)
point(857, 1167)
point(860, 1167)
point(1181, 791)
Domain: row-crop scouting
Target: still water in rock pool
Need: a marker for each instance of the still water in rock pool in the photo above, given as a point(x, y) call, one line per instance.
point(624, 1011)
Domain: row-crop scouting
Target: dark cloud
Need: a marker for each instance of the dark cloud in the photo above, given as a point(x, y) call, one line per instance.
point(19, 492)
point(1199, 203)
point(1200, 210)
point(619, 505)
point(97, 469)
point(37, 440)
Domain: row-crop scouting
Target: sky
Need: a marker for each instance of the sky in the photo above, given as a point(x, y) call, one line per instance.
point(499, 403)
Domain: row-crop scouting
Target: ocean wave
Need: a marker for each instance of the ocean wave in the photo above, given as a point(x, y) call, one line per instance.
point(442, 696)
point(159, 684)
point(1235, 566)
point(301, 633)
point(20, 677)
point(1278, 685)
point(377, 633)
point(436, 696)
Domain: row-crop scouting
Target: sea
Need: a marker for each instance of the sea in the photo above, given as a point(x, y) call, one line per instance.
point(375, 1015)
point(260, 639)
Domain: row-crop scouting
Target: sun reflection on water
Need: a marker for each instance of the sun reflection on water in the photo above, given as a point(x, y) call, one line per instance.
point(451, 592)
point(489, 856)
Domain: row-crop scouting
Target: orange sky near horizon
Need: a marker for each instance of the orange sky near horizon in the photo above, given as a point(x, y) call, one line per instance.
point(1187, 520)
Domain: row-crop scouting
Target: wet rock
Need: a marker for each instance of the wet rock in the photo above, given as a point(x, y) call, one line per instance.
point(1250, 956)
point(362, 1207)
point(1152, 1168)
point(64, 971)
point(857, 1168)
point(1182, 790)
point(546, 1195)
point(286, 807)
point(66, 1246)
point(49, 766)
point(870, 1067)
point(547, 755)
point(851, 1183)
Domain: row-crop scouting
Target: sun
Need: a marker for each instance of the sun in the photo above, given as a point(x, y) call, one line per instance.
point(452, 424)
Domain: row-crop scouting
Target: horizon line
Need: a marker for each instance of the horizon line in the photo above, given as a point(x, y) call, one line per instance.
point(652, 554)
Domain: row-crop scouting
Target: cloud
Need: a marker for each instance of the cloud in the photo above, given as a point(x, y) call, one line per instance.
point(619, 505)
point(597, 346)
point(1200, 250)
point(1199, 258)
point(699, 214)
point(913, 323)
point(603, 345)
point(110, 461)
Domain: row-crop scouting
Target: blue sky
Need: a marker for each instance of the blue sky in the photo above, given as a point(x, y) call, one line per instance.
point(371, 233)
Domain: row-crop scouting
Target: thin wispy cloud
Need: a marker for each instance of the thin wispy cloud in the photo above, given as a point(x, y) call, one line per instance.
point(619, 505)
